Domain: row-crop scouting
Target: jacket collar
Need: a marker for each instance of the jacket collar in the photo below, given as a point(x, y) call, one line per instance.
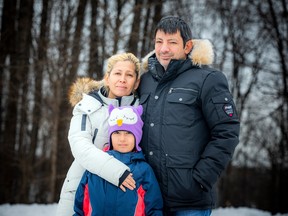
point(158, 72)
point(129, 157)
point(116, 102)
point(202, 54)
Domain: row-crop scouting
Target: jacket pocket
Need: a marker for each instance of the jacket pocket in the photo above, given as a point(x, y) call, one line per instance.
point(180, 182)
point(182, 95)
point(181, 106)
point(224, 106)
point(71, 184)
point(73, 177)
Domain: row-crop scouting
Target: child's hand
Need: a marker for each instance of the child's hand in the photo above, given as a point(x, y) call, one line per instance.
point(129, 183)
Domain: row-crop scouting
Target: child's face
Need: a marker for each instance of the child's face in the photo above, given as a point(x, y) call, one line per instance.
point(123, 141)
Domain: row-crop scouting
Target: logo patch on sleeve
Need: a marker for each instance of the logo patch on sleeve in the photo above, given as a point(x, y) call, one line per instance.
point(228, 109)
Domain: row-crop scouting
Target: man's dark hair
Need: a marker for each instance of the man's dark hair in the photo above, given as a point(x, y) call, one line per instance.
point(172, 24)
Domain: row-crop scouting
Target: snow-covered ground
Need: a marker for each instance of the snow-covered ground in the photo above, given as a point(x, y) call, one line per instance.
point(50, 210)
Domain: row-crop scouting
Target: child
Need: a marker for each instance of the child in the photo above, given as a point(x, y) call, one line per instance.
point(95, 196)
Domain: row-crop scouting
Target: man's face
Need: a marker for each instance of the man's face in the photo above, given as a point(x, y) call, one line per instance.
point(170, 46)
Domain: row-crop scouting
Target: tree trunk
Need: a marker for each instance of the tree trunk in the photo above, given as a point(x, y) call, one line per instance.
point(6, 44)
point(118, 23)
point(94, 70)
point(146, 31)
point(158, 7)
point(153, 16)
point(104, 28)
point(24, 35)
point(64, 108)
point(8, 140)
point(135, 31)
point(76, 42)
point(55, 140)
point(37, 161)
point(39, 69)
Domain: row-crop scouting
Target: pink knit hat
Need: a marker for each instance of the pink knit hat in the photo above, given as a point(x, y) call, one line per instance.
point(126, 118)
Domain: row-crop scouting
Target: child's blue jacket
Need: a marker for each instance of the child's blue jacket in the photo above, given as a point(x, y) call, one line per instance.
point(96, 196)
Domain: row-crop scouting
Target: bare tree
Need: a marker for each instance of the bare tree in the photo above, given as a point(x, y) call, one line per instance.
point(16, 117)
point(118, 22)
point(134, 35)
point(152, 17)
point(248, 30)
point(8, 129)
point(95, 67)
point(275, 24)
point(39, 70)
point(61, 88)
point(104, 31)
point(146, 29)
point(24, 33)
point(6, 43)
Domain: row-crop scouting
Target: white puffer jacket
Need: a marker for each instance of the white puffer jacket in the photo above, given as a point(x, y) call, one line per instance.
point(87, 136)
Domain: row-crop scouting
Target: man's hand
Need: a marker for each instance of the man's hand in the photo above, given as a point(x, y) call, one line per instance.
point(129, 183)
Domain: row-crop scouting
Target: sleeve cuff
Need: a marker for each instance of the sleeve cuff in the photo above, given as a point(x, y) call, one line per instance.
point(123, 177)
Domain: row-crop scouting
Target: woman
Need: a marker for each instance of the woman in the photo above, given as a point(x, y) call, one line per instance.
point(88, 131)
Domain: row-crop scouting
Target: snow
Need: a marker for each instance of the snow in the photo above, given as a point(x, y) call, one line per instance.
point(50, 209)
point(28, 210)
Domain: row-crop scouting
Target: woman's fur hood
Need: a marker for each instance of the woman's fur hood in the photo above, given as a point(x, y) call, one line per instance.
point(202, 54)
point(81, 86)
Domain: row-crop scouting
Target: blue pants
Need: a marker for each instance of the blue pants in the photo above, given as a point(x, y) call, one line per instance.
point(190, 213)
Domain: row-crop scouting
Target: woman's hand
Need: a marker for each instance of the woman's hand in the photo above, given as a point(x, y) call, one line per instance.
point(129, 183)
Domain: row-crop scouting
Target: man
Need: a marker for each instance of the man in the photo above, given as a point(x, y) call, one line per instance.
point(191, 127)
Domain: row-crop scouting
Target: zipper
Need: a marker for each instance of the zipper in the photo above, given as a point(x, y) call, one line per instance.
point(184, 89)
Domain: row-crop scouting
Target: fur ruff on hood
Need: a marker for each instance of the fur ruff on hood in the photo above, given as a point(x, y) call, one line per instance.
point(81, 86)
point(202, 54)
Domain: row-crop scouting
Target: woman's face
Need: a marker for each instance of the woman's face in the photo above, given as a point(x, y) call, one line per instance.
point(122, 79)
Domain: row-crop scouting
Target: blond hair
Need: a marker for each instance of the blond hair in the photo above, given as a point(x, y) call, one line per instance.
point(123, 57)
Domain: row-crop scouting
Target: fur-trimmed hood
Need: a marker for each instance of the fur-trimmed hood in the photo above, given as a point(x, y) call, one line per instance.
point(81, 86)
point(202, 54)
